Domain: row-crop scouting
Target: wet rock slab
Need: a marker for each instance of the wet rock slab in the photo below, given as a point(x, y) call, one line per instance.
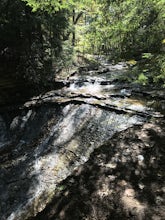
point(46, 144)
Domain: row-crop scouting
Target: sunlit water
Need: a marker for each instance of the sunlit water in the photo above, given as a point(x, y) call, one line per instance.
point(111, 95)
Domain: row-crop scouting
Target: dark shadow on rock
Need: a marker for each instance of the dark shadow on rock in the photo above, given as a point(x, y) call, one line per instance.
point(123, 179)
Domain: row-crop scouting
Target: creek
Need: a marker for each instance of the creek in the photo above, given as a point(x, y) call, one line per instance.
point(43, 140)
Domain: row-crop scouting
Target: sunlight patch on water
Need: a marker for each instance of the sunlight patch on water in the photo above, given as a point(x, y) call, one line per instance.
point(133, 104)
point(87, 88)
point(135, 101)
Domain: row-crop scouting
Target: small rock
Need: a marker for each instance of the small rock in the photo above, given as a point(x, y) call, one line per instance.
point(111, 165)
point(141, 186)
point(140, 158)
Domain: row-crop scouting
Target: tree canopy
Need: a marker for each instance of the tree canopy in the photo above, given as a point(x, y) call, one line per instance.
point(121, 29)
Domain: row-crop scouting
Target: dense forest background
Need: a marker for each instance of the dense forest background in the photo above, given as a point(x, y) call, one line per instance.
point(39, 38)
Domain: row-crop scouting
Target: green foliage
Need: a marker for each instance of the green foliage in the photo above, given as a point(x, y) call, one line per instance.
point(41, 34)
point(127, 28)
point(65, 58)
point(160, 65)
point(142, 79)
point(52, 6)
point(147, 55)
point(30, 40)
point(48, 5)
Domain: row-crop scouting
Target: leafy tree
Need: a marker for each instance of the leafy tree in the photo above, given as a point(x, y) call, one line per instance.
point(128, 29)
point(31, 40)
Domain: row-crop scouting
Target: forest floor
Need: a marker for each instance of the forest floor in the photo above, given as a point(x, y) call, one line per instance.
point(123, 179)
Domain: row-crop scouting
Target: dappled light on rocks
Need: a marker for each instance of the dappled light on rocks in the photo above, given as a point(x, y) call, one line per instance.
point(90, 150)
point(116, 183)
